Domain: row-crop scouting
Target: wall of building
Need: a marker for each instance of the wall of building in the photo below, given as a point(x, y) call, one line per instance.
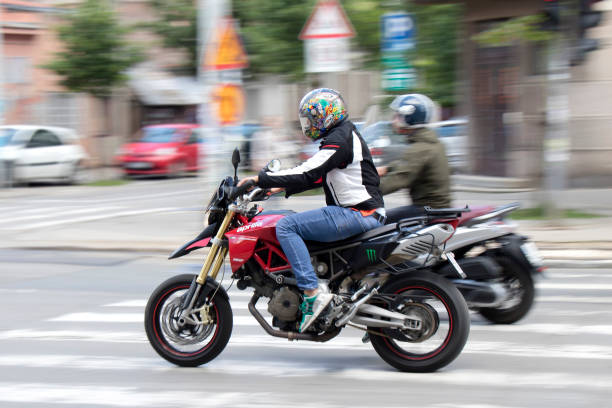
point(590, 92)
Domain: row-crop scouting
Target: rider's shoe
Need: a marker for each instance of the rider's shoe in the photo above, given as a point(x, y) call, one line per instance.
point(312, 307)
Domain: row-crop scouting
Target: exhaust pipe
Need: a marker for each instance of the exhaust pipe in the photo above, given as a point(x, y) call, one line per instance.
point(481, 294)
point(287, 334)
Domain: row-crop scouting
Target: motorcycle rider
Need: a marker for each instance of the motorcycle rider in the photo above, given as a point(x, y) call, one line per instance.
point(423, 168)
point(343, 166)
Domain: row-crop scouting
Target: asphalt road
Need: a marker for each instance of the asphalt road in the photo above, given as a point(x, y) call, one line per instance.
point(164, 213)
point(71, 334)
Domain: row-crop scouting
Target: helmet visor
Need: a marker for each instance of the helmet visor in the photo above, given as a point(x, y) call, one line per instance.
point(306, 125)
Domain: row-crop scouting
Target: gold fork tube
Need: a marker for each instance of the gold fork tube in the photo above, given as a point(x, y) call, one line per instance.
point(214, 250)
point(214, 271)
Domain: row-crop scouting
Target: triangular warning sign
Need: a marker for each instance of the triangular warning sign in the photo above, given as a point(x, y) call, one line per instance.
point(226, 51)
point(328, 20)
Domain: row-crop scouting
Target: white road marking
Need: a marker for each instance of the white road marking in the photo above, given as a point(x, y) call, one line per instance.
point(585, 275)
point(271, 368)
point(546, 328)
point(574, 299)
point(52, 213)
point(574, 286)
point(120, 396)
point(99, 317)
point(352, 342)
point(89, 218)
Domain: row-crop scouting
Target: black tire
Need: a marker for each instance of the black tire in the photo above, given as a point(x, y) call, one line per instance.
point(453, 330)
point(159, 331)
point(520, 283)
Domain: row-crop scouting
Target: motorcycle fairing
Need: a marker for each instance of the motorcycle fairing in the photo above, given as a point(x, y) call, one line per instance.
point(201, 241)
point(244, 240)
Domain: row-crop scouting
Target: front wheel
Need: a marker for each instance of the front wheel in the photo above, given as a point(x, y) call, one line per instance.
point(444, 327)
point(189, 344)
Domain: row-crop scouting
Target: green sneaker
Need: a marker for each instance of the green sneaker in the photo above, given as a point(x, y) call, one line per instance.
point(312, 307)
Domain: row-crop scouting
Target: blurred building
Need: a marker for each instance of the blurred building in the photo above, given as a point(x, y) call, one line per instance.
point(504, 93)
point(33, 94)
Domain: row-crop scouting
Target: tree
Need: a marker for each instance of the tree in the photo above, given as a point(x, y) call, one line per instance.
point(95, 54)
point(178, 27)
point(271, 28)
point(435, 57)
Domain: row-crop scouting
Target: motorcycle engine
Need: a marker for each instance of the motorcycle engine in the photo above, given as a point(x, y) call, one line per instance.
point(285, 304)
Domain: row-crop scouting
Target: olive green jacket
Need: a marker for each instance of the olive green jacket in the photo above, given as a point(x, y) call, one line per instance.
point(423, 169)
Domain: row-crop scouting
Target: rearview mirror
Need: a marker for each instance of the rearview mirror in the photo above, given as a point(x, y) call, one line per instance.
point(273, 166)
point(236, 158)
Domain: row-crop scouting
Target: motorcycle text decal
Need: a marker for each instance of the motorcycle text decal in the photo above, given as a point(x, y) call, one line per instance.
point(371, 253)
point(250, 226)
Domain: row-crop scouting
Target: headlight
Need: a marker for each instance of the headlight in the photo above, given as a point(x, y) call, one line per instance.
point(122, 151)
point(169, 151)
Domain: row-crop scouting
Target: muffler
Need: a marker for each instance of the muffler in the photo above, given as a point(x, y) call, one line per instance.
point(481, 294)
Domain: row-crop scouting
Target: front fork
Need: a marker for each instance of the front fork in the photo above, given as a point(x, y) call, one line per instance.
point(212, 265)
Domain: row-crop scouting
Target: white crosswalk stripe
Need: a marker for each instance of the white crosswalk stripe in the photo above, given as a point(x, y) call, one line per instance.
point(578, 335)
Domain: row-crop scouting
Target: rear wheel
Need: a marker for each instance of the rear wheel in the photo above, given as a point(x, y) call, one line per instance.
point(444, 327)
point(187, 345)
point(519, 284)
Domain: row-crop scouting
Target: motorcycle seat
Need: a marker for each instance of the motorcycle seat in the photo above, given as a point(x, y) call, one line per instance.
point(477, 211)
point(315, 246)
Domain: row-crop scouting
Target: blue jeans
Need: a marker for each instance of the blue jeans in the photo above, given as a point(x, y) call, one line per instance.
point(325, 224)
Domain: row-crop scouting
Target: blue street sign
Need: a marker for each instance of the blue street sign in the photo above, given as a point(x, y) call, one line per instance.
point(398, 32)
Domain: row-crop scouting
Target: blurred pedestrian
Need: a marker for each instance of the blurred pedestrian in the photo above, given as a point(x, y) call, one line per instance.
point(423, 168)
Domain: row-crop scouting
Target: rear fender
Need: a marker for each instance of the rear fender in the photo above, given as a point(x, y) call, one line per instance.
point(198, 242)
point(511, 248)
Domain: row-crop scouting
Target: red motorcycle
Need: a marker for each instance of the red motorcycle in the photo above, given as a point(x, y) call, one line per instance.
point(416, 320)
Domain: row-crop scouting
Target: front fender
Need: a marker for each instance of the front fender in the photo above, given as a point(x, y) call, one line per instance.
point(198, 242)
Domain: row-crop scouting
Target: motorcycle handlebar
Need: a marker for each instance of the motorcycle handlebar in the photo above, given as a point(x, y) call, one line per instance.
point(238, 191)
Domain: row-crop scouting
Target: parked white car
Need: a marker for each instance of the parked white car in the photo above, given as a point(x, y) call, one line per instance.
point(40, 153)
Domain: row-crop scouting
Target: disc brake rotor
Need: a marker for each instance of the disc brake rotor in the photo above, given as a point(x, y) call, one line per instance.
point(188, 333)
point(422, 312)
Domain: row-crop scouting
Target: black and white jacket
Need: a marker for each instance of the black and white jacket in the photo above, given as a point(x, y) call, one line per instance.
point(343, 166)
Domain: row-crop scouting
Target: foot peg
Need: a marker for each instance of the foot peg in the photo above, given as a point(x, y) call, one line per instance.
point(354, 307)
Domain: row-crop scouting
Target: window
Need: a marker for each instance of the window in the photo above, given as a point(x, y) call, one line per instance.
point(193, 137)
point(44, 138)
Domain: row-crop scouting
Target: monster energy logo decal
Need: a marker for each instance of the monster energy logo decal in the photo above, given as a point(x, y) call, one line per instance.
point(371, 253)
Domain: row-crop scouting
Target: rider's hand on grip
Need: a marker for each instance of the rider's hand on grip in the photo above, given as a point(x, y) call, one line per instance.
point(234, 192)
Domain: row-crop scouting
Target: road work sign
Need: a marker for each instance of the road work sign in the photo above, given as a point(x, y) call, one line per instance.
point(226, 50)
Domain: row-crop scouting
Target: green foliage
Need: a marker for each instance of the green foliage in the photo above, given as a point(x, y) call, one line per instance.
point(270, 30)
point(365, 16)
point(435, 57)
point(539, 213)
point(108, 183)
point(526, 28)
point(178, 27)
point(95, 54)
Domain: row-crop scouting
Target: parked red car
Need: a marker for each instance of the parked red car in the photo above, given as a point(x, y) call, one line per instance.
point(169, 149)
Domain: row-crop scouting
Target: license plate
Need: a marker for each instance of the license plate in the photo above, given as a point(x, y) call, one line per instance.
point(530, 250)
point(138, 165)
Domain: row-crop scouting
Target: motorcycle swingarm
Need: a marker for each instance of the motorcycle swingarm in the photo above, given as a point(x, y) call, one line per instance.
point(374, 316)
